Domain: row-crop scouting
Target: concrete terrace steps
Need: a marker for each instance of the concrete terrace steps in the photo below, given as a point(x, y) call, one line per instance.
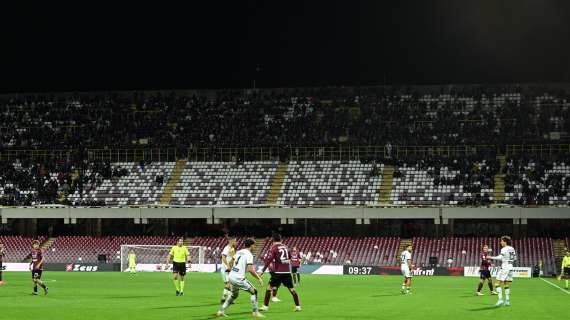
point(277, 184)
point(559, 250)
point(259, 245)
point(166, 196)
point(386, 185)
point(499, 190)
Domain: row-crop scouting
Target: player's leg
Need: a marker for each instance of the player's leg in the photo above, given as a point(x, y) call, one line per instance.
point(253, 298)
point(499, 290)
point(231, 298)
point(176, 282)
point(287, 281)
point(490, 284)
point(226, 293)
point(269, 291)
point(481, 282)
point(274, 297)
point(409, 285)
point(507, 293)
point(181, 282)
point(34, 285)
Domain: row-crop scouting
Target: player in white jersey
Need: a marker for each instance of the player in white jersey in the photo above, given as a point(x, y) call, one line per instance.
point(237, 278)
point(226, 266)
point(406, 267)
point(507, 257)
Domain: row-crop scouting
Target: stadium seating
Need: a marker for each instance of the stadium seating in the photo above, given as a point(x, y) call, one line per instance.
point(339, 250)
point(429, 185)
point(309, 183)
point(466, 251)
point(68, 249)
point(17, 248)
point(315, 116)
point(539, 183)
point(138, 186)
point(224, 183)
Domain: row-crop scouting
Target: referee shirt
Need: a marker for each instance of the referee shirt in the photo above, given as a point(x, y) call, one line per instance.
point(179, 254)
point(566, 262)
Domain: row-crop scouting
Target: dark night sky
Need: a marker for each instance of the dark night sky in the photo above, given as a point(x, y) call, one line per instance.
point(213, 44)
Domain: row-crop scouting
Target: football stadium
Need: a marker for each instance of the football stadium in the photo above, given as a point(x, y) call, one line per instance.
point(310, 160)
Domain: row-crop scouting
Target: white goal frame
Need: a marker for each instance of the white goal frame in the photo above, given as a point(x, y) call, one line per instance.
point(156, 262)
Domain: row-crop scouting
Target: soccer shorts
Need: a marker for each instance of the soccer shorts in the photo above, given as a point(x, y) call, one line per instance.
point(484, 274)
point(295, 269)
point(225, 275)
point(36, 274)
point(241, 284)
point(406, 271)
point(179, 267)
point(505, 275)
point(278, 279)
point(567, 272)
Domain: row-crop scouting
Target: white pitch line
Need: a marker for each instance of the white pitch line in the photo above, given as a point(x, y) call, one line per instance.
point(552, 284)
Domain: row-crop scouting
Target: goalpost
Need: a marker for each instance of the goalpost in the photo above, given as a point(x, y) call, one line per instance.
point(152, 258)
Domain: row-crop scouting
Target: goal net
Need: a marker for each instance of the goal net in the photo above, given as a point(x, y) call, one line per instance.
point(153, 258)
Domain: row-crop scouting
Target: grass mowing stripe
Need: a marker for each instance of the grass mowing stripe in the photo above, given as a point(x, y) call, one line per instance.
point(556, 286)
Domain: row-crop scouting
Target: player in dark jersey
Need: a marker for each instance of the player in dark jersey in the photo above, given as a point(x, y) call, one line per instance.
point(295, 265)
point(274, 297)
point(280, 257)
point(1, 266)
point(485, 271)
point(37, 267)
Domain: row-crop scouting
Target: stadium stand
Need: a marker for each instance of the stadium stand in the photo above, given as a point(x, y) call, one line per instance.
point(137, 184)
point(342, 250)
point(224, 183)
point(312, 116)
point(466, 251)
point(17, 248)
point(453, 182)
point(310, 183)
point(537, 182)
point(314, 250)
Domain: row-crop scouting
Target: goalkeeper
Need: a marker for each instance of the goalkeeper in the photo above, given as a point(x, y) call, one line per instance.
point(132, 262)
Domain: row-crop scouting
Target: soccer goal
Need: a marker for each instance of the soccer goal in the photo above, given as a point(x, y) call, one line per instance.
point(153, 258)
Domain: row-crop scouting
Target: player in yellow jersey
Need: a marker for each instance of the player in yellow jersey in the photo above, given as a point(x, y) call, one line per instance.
point(565, 269)
point(179, 255)
point(132, 262)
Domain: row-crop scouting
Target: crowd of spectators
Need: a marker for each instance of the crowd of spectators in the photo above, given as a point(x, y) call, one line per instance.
point(27, 183)
point(301, 117)
point(534, 182)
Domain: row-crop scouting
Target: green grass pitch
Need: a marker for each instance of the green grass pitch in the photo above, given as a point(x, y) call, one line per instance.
point(116, 296)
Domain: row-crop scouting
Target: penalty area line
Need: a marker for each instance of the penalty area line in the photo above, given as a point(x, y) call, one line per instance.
point(552, 284)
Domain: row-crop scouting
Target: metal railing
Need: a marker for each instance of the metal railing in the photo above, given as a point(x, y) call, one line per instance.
point(539, 151)
point(288, 153)
point(133, 155)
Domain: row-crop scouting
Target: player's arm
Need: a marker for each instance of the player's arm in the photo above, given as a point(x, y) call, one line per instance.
point(267, 261)
point(41, 263)
point(251, 270)
point(188, 258)
point(499, 257)
point(410, 264)
point(225, 262)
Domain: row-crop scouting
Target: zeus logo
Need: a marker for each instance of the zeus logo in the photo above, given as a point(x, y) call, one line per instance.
point(82, 268)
